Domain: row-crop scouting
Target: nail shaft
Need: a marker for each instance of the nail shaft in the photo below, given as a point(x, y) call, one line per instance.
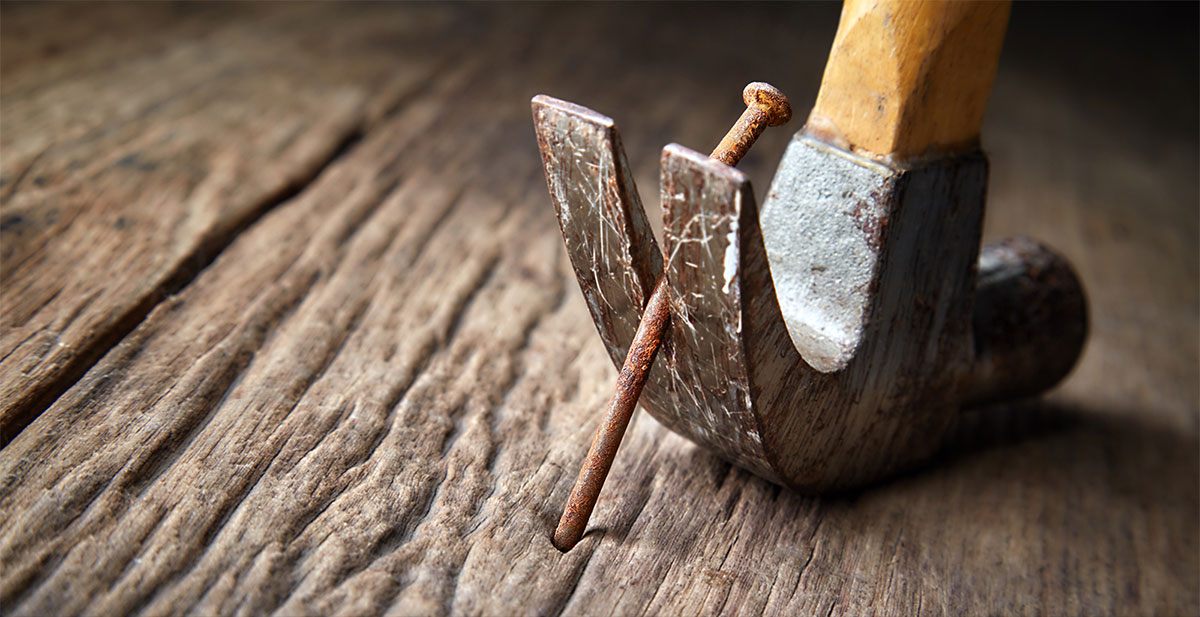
point(620, 409)
point(740, 137)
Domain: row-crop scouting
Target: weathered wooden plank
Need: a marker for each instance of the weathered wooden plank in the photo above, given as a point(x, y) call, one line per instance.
point(125, 172)
point(375, 398)
point(43, 45)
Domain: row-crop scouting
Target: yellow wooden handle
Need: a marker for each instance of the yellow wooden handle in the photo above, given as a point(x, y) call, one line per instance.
point(909, 80)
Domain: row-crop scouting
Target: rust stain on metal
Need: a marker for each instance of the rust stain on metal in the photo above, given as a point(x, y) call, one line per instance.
point(1030, 321)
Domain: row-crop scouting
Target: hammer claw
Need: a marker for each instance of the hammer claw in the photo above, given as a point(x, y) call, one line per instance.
point(607, 236)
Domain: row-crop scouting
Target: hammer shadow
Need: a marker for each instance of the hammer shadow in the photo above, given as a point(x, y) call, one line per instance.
point(1118, 442)
point(1003, 430)
point(1129, 461)
point(990, 428)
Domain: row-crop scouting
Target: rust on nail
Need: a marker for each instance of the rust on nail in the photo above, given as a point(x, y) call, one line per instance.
point(620, 409)
point(765, 106)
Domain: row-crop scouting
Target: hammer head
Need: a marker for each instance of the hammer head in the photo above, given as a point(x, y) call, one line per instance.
point(831, 345)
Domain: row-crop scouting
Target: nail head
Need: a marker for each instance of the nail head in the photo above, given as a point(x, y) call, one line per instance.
point(770, 100)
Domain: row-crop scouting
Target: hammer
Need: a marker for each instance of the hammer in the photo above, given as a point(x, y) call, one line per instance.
point(832, 343)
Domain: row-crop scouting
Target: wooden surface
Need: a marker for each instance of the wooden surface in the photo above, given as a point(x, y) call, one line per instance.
point(288, 328)
point(909, 80)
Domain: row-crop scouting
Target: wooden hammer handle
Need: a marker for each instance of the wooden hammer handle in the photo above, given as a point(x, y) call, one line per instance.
point(909, 80)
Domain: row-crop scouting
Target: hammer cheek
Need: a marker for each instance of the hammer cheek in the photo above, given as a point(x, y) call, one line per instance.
point(874, 269)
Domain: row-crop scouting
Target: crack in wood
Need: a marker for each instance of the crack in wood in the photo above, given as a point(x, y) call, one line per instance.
point(37, 399)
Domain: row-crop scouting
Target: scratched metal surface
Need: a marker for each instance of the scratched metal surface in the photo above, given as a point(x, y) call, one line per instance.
point(604, 227)
point(699, 385)
point(711, 400)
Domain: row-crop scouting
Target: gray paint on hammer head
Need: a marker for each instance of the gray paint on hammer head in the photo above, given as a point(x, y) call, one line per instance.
point(822, 224)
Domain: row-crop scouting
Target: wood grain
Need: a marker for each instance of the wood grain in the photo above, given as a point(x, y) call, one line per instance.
point(137, 168)
point(369, 393)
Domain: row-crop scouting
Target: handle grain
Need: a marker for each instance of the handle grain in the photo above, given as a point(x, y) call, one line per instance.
point(909, 80)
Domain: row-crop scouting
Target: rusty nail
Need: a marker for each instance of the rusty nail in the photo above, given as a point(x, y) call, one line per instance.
point(765, 106)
